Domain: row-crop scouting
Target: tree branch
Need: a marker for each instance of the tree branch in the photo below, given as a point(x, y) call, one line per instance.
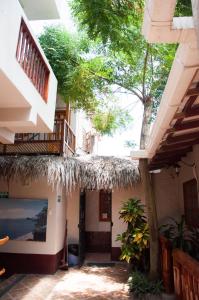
point(119, 84)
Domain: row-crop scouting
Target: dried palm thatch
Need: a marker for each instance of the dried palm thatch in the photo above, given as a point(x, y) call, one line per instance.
point(86, 172)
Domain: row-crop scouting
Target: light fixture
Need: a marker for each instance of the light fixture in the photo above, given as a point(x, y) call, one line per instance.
point(155, 171)
point(177, 169)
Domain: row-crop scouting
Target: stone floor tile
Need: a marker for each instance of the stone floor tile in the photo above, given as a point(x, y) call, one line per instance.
point(87, 283)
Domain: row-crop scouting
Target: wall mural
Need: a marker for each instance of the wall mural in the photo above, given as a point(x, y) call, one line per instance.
point(23, 219)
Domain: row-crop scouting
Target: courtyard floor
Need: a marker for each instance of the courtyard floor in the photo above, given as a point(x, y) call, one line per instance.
point(94, 283)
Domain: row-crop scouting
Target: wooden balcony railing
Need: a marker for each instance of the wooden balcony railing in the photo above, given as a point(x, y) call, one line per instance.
point(30, 58)
point(166, 264)
point(186, 276)
point(60, 142)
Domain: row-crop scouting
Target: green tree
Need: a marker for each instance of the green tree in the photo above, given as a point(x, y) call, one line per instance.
point(83, 78)
point(137, 67)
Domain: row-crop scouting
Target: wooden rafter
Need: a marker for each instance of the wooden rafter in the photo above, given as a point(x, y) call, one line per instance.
point(184, 126)
point(173, 147)
point(178, 146)
point(193, 92)
point(183, 137)
point(194, 111)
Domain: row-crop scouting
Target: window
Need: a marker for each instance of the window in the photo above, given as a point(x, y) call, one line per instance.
point(191, 207)
point(105, 206)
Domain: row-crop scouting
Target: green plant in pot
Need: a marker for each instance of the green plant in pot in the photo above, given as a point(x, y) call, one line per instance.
point(135, 240)
point(178, 233)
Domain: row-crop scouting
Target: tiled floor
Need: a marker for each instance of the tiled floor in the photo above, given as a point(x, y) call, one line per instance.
point(98, 257)
point(94, 283)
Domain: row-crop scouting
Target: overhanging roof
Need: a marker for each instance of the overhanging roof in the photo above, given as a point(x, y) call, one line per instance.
point(176, 128)
point(41, 9)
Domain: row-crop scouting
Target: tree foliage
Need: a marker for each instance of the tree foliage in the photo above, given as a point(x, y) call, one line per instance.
point(138, 67)
point(109, 20)
point(108, 121)
point(183, 8)
point(83, 78)
point(75, 82)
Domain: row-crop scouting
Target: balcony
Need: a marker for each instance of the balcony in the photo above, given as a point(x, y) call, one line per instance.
point(31, 61)
point(60, 142)
point(27, 83)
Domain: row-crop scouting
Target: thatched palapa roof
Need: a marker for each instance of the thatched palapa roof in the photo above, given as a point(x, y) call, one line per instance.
point(97, 172)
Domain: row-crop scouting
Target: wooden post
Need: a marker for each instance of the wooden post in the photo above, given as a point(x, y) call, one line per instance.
point(147, 185)
point(63, 136)
point(166, 264)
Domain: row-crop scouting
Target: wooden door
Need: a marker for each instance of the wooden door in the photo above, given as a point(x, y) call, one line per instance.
point(191, 207)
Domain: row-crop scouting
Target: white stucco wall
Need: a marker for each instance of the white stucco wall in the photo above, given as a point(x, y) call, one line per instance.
point(92, 208)
point(167, 195)
point(55, 221)
point(118, 197)
point(169, 186)
point(73, 216)
point(17, 90)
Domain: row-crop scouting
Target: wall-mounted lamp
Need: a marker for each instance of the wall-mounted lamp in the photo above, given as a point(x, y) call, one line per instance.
point(177, 169)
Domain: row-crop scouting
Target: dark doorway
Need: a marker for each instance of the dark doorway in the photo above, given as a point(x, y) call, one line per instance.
point(191, 206)
point(82, 215)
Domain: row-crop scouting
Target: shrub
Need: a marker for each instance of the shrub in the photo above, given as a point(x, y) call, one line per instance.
point(178, 233)
point(141, 285)
point(135, 240)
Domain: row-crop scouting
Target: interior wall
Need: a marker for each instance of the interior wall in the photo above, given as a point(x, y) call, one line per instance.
point(55, 221)
point(92, 213)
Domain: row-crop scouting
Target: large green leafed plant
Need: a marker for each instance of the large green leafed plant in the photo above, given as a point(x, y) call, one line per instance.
point(135, 239)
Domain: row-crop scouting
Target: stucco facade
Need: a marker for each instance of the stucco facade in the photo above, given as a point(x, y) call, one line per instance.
point(169, 186)
point(63, 205)
point(44, 255)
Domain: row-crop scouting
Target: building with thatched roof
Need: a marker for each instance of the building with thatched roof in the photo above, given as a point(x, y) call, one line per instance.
point(82, 190)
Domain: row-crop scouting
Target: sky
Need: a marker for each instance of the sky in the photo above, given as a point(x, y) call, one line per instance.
point(20, 209)
point(107, 145)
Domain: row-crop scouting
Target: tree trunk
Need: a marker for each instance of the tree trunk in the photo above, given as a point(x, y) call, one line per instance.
point(147, 114)
point(149, 192)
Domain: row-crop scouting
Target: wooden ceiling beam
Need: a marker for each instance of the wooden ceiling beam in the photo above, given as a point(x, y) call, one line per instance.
point(170, 158)
point(184, 137)
point(163, 163)
point(177, 146)
point(186, 114)
point(173, 153)
point(193, 92)
point(184, 126)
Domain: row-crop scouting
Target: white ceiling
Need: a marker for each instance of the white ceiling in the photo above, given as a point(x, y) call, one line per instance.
point(41, 9)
